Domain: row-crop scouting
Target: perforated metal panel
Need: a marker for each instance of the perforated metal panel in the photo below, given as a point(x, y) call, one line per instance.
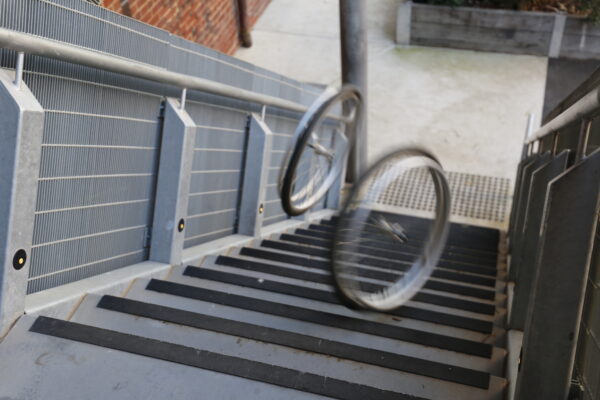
point(102, 135)
point(473, 196)
point(216, 172)
point(283, 130)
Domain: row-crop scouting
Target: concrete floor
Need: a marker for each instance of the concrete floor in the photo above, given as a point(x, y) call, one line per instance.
point(469, 108)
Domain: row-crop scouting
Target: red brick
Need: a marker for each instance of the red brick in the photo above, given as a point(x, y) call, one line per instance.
point(213, 23)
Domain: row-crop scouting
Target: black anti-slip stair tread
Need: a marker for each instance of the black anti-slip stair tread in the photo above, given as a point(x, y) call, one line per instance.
point(436, 317)
point(323, 318)
point(418, 224)
point(268, 268)
point(193, 357)
point(390, 276)
point(328, 236)
point(382, 258)
point(324, 234)
point(486, 262)
point(392, 266)
point(325, 250)
point(420, 227)
point(299, 341)
point(440, 300)
point(455, 240)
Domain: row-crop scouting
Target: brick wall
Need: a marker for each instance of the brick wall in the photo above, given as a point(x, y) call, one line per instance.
point(212, 23)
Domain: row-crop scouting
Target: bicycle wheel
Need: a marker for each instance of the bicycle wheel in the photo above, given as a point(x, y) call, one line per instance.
point(320, 148)
point(382, 254)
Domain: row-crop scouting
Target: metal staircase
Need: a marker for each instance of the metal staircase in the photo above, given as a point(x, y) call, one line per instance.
point(263, 322)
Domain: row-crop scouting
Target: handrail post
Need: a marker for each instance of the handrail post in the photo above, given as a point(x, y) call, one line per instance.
point(173, 185)
point(19, 69)
point(584, 134)
point(21, 129)
point(256, 174)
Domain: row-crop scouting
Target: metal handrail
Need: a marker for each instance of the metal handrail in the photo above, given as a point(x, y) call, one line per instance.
point(30, 44)
point(583, 108)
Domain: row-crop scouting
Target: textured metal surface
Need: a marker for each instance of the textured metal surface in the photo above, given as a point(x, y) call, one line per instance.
point(102, 138)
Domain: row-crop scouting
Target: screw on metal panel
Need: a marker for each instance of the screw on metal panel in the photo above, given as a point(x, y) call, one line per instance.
point(19, 259)
point(261, 209)
point(181, 225)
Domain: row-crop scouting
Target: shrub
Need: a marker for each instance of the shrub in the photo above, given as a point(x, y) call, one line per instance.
point(588, 8)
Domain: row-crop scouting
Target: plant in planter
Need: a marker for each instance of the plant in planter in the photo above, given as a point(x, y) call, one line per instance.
point(588, 8)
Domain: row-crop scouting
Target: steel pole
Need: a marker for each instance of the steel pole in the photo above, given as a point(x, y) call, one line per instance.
point(353, 39)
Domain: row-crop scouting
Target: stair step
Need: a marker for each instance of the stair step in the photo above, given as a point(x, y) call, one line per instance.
point(494, 317)
point(455, 240)
point(265, 318)
point(420, 225)
point(427, 295)
point(321, 274)
point(41, 366)
point(324, 318)
point(487, 261)
point(327, 235)
point(328, 296)
point(324, 250)
point(199, 358)
point(496, 336)
point(493, 365)
point(301, 352)
point(324, 257)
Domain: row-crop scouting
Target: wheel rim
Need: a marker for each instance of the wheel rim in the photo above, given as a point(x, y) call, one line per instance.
point(363, 221)
point(319, 149)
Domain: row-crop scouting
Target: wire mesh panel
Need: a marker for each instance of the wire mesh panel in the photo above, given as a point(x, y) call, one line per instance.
point(96, 183)
point(100, 144)
point(102, 135)
point(283, 130)
point(216, 172)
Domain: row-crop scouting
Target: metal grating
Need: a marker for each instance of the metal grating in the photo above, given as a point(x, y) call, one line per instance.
point(102, 135)
point(473, 196)
point(283, 130)
point(216, 172)
point(96, 185)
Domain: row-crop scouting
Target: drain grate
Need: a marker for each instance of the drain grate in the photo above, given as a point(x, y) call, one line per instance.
point(473, 196)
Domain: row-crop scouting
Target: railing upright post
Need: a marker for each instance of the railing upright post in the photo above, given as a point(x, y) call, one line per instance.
point(584, 134)
point(256, 174)
point(173, 185)
point(21, 130)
